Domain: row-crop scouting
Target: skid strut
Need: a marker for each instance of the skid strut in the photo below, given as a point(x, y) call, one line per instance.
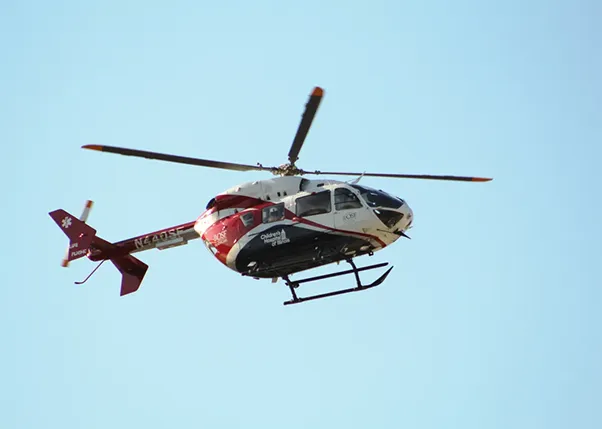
point(295, 284)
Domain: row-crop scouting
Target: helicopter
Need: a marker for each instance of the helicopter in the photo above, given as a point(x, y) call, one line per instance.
point(266, 229)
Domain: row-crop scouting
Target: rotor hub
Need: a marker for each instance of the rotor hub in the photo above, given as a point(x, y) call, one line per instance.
point(288, 169)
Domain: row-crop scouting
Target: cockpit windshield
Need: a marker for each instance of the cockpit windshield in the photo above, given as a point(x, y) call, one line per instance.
point(375, 198)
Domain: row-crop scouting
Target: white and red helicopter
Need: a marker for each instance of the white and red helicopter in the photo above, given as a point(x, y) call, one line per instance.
point(271, 228)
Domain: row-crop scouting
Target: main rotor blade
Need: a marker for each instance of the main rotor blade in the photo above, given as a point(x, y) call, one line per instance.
point(308, 116)
point(403, 176)
point(178, 159)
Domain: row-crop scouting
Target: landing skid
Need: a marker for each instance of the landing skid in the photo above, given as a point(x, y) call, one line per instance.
point(359, 287)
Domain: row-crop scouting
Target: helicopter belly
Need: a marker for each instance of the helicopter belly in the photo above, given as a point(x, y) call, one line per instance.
point(286, 248)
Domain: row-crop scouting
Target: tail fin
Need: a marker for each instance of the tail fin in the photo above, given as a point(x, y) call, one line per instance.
point(80, 234)
point(83, 218)
point(132, 272)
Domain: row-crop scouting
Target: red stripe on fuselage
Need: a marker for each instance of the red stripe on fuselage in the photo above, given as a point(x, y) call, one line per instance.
point(233, 201)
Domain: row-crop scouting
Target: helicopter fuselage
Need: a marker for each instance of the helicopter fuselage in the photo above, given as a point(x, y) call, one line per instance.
point(267, 228)
point(275, 227)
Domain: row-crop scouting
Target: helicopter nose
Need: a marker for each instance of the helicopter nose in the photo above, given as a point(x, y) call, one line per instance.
point(408, 216)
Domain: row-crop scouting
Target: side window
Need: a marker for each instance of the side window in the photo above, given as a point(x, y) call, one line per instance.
point(314, 204)
point(272, 213)
point(210, 204)
point(247, 219)
point(344, 199)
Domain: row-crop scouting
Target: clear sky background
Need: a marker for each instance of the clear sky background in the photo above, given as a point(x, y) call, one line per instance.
point(491, 316)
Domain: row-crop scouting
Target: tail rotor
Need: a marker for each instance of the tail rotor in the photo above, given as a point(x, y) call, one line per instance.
point(83, 218)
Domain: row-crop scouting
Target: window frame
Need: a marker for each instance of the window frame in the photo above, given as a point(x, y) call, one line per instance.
point(319, 194)
point(250, 219)
point(356, 199)
point(265, 213)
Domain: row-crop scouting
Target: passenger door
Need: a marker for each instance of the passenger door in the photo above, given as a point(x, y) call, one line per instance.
point(316, 207)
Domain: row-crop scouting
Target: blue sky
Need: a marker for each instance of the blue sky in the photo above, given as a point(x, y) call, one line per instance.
point(491, 316)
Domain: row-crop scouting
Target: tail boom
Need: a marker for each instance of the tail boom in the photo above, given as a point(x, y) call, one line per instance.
point(83, 241)
point(162, 239)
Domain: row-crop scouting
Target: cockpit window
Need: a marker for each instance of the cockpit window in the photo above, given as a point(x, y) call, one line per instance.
point(314, 204)
point(376, 198)
point(273, 213)
point(210, 204)
point(344, 199)
point(388, 217)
